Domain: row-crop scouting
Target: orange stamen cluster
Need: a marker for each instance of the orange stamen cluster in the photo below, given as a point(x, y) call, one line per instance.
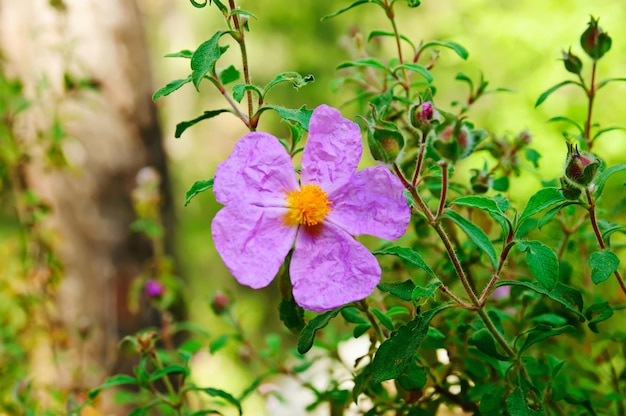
point(307, 206)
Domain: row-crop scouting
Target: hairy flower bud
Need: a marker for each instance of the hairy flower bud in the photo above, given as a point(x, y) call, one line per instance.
point(594, 41)
point(580, 167)
point(568, 190)
point(480, 181)
point(454, 142)
point(572, 62)
point(385, 143)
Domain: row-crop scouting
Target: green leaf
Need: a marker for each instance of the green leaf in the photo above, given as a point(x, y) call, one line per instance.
point(516, 404)
point(353, 315)
point(603, 264)
point(414, 378)
point(541, 332)
point(567, 296)
point(204, 58)
point(606, 81)
point(239, 91)
point(376, 33)
point(426, 292)
point(606, 234)
point(302, 116)
point(307, 336)
point(185, 53)
point(292, 315)
point(604, 312)
point(384, 319)
point(601, 178)
point(542, 262)
point(241, 12)
point(484, 341)
point(407, 254)
point(569, 121)
point(184, 125)
point(395, 353)
point(605, 130)
point(198, 187)
point(297, 80)
point(351, 6)
point(221, 394)
point(402, 290)
point(550, 90)
point(533, 157)
point(415, 68)
point(228, 75)
point(486, 204)
point(113, 381)
point(541, 200)
point(170, 88)
point(475, 234)
point(365, 62)
point(172, 369)
point(460, 50)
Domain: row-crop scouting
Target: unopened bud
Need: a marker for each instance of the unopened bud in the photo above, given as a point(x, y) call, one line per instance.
point(385, 144)
point(572, 62)
point(220, 303)
point(154, 289)
point(568, 190)
point(480, 181)
point(454, 142)
point(422, 115)
point(580, 167)
point(594, 41)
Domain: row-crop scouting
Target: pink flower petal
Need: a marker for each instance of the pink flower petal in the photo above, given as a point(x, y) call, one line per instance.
point(252, 241)
point(333, 150)
point(330, 268)
point(259, 171)
point(373, 202)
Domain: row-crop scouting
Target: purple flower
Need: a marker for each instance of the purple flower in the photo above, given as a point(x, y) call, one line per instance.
point(266, 210)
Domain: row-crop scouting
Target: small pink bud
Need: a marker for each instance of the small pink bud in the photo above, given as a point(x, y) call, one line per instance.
point(154, 289)
point(220, 303)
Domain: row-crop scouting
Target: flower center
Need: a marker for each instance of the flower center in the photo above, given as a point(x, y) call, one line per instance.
point(307, 206)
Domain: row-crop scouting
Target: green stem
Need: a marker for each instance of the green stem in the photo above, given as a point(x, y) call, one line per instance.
point(241, 40)
point(496, 275)
point(380, 336)
point(420, 158)
point(391, 16)
point(596, 231)
point(591, 94)
point(444, 189)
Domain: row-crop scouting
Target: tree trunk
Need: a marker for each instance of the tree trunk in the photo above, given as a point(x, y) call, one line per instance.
point(85, 68)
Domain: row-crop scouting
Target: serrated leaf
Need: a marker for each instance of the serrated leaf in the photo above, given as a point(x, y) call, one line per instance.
point(297, 80)
point(541, 200)
point(170, 88)
point(567, 296)
point(365, 62)
point(603, 311)
point(113, 381)
point(553, 88)
point(542, 262)
point(198, 187)
point(475, 234)
point(307, 335)
point(460, 50)
point(603, 264)
point(395, 353)
point(302, 116)
point(228, 75)
point(415, 68)
point(204, 58)
point(484, 341)
point(407, 254)
point(351, 6)
point(603, 176)
point(239, 91)
point(541, 332)
point(184, 125)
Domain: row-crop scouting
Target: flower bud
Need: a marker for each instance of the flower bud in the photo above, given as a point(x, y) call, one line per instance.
point(580, 167)
point(385, 144)
point(572, 62)
point(220, 303)
point(422, 115)
point(594, 41)
point(568, 190)
point(154, 289)
point(480, 181)
point(454, 142)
